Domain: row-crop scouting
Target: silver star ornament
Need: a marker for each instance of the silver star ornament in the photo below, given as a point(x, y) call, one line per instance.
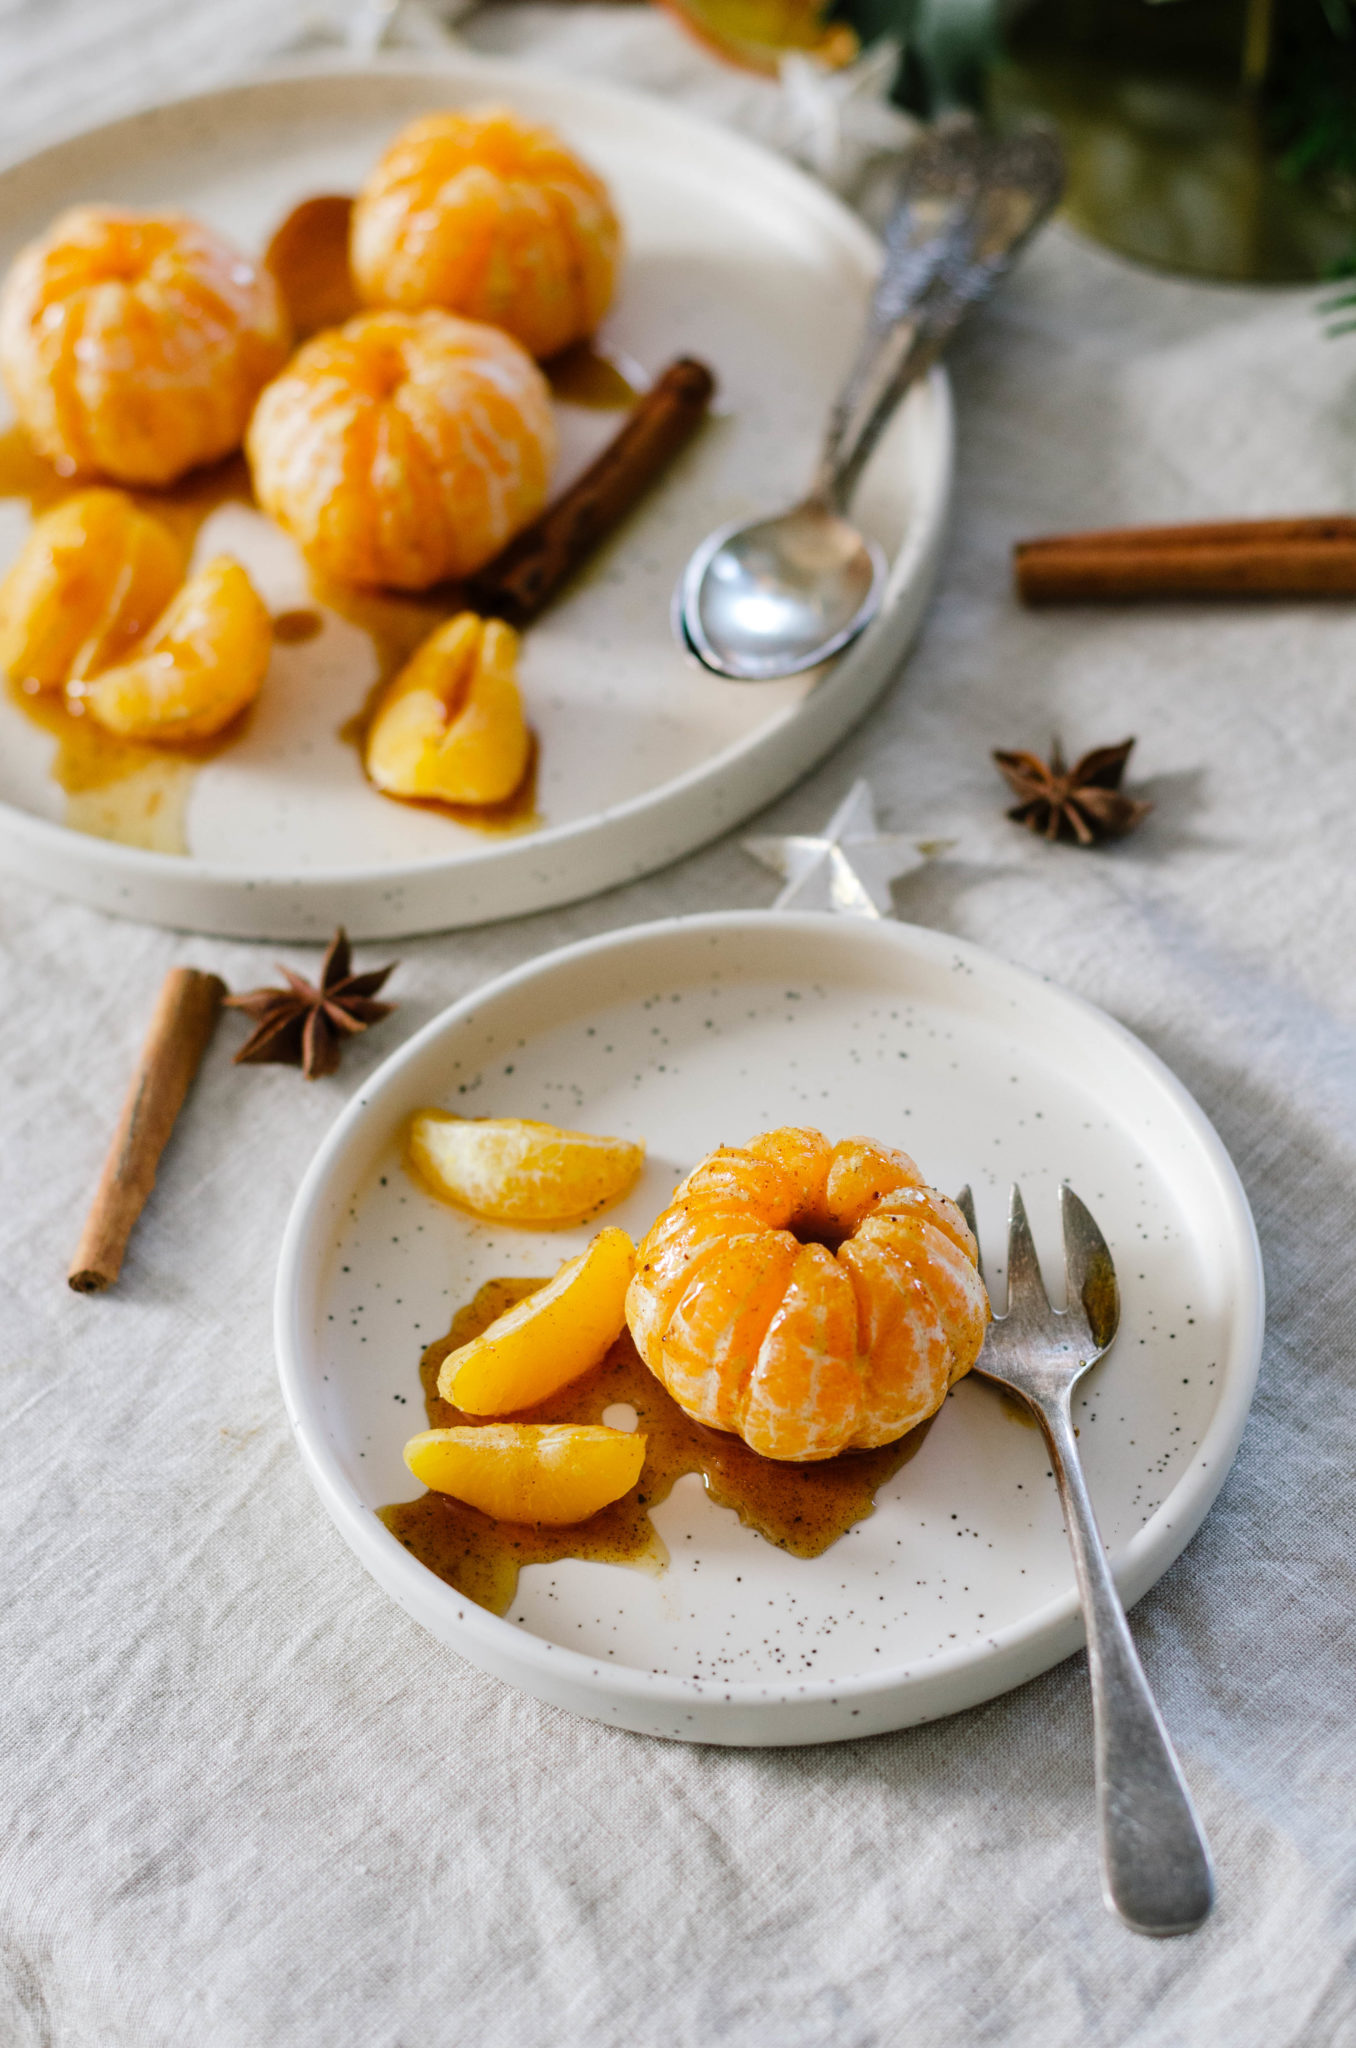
point(849, 866)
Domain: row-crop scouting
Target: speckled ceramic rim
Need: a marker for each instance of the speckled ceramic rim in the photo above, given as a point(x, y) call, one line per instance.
point(563, 863)
point(745, 1712)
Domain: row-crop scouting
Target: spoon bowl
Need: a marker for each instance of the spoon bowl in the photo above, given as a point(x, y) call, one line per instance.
point(773, 597)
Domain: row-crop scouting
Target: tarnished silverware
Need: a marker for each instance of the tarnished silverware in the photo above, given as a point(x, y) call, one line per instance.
point(1156, 1870)
point(772, 596)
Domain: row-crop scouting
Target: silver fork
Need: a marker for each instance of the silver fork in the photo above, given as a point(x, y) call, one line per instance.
point(1156, 1870)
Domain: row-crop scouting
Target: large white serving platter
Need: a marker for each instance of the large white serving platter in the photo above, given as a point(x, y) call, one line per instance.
point(732, 255)
point(700, 1031)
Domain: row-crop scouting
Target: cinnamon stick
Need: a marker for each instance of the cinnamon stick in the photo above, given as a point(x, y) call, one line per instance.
point(1313, 557)
point(521, 581)
point(185, 1017)
point(1200, 533)
point(308, 256)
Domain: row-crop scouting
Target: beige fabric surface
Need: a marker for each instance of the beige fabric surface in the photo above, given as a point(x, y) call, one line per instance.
point(246, 1804)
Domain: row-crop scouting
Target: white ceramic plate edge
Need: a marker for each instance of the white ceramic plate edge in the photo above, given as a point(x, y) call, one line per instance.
point(560, 864)
point(745, 1713)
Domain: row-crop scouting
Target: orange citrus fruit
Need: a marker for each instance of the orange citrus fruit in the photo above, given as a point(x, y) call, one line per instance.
point(513, 1170)
point(809, 1297)
point(556, 1473)
point(485, 214)
point(450, 726)
point(548, 1339)
point(404, 448)
point(757, 34)
point(202, 665)
point(135, 344)
point(93, 576)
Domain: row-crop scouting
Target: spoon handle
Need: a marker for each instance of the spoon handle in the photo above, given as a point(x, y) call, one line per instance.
point(969, 204)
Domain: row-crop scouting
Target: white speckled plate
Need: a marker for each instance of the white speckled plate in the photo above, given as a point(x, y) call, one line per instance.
point(732, 255)
point(705, 1030)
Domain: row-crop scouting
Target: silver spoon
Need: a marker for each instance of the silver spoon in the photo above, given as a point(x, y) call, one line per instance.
point(773, 596)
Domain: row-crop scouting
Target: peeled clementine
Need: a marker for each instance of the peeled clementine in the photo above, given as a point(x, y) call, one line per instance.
point(404, 448)
point(135, 344)
point(809, 1297)
point(491, 216)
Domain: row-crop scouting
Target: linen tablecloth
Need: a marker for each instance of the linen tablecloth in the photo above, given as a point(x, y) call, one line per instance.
point(247, 1804)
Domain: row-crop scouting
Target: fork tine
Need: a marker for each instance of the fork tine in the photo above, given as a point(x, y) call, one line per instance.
point(965, 1202)
point(1089, 1274)
point(1026, 1289)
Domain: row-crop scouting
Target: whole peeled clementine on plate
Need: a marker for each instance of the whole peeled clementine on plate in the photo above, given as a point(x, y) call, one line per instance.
point(486, 214)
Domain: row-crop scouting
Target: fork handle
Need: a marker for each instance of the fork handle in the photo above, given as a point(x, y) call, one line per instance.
point(1156, 1870)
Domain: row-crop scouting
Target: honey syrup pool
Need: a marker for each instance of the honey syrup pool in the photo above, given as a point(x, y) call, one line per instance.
point(803, 1509)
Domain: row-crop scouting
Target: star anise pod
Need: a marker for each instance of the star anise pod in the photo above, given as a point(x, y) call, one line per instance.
point(1084, 803)
point(305, 1026)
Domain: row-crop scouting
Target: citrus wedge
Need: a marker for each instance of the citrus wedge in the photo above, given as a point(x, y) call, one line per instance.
point(93, 576)
point(529, 1472)
point(548, 1339)
point(199, 669)
point(450, 726)
point(514, 1171)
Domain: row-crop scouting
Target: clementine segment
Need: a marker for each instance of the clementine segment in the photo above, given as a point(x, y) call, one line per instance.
point(134, 345)
point(92, 577)
point(203, 664)
point(513, 1170)
point(805, 1382)
point(404, 448)
point(719, 1320)
point(555, 1473)
point(548, 1339)
point(450, 726)
point(485, 214)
